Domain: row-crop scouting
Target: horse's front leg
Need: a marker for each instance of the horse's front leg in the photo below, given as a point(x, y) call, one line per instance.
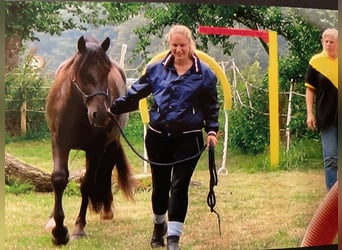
point(59, 180)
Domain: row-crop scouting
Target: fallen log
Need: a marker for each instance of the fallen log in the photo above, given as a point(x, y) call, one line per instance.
point(21, 171)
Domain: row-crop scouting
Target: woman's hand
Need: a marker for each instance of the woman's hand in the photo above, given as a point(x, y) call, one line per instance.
point(212, 138)
point(311, 122)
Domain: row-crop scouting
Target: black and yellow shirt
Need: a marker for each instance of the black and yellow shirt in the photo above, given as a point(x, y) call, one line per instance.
point(322, 76)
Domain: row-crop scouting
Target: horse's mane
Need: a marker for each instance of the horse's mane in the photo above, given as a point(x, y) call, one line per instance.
point(65, 71)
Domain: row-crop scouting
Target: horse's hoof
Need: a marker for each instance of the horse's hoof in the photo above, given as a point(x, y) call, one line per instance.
point(59, 242)
point(107, 214)
point(60, 237)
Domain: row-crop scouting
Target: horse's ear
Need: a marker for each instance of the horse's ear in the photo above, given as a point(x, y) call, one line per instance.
point(81, 44)
point(105, 44)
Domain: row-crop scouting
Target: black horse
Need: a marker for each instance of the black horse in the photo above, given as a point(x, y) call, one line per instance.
point(76, 112)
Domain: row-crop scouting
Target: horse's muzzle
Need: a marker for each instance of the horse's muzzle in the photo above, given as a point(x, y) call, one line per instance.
point(99, 118)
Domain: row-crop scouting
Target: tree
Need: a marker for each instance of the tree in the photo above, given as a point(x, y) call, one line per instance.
point(24, 19)
point(301, 34)
point(284, 21)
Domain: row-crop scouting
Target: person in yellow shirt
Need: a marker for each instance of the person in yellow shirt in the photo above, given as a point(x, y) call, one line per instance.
point(321, 83)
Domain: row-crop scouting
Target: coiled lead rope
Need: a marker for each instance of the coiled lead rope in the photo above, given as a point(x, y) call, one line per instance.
point(211, 198)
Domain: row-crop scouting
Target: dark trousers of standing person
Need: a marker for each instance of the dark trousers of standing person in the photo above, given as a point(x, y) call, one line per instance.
point(329, 148)
point(170, 183)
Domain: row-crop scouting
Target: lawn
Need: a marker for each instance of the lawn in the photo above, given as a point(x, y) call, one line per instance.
point(258, 209)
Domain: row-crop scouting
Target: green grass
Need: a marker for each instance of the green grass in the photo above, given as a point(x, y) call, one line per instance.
point(258, 208)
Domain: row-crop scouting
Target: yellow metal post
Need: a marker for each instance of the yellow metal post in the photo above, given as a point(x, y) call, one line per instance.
point(273, 99)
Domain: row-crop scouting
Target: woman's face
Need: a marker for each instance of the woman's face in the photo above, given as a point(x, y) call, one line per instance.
point(330, 45)
point(179, 46)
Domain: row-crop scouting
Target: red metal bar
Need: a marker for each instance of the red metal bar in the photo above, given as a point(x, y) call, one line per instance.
point(232, 31)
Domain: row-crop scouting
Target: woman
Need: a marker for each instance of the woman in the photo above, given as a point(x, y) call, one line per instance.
point(184, 102)
point(322, 90)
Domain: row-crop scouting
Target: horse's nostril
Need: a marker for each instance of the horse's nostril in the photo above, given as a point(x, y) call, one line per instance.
point(98, 118)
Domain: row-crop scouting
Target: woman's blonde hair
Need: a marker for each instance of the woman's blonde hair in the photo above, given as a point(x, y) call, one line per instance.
point(184, 31)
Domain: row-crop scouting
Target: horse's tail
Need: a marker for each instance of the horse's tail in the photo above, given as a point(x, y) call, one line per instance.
point(100, 193)
point(125, 178)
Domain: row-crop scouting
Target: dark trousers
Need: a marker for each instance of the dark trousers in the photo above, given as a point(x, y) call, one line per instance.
point(170, 183)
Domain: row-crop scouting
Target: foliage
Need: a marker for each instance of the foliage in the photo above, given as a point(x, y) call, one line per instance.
point(303, 42)
point(300, 34)
point(31, 135)
point(247, 130)
point(27, 18)
point(72, 189)
point(25, 85)
point(160, 16)
point(302, 37)
point(16, 187)
point(118, 12)
point(248, 121)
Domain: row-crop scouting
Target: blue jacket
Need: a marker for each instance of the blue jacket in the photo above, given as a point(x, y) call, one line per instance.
point(180, 103)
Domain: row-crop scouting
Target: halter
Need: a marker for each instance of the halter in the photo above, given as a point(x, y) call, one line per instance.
point(85, 96)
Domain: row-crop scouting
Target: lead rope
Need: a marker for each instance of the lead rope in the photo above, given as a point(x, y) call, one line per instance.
point(147, 160)
point(211, 199)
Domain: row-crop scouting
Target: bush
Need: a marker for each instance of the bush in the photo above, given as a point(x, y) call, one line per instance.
point(248, 131)
point(27, 85)
point(249, 125)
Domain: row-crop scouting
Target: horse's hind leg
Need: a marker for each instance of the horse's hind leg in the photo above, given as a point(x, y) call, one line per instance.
point(59, 180)
point(81, 218)
point(87, 188)
point(109, 159)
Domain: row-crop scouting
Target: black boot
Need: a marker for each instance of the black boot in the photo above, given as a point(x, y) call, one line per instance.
point(159, 231)
point(172, 242)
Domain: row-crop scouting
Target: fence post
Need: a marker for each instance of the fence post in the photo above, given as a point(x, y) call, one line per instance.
point(23, 118)
point(288, 119)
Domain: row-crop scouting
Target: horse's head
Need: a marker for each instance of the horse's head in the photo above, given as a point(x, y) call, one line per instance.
point(92, 67)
